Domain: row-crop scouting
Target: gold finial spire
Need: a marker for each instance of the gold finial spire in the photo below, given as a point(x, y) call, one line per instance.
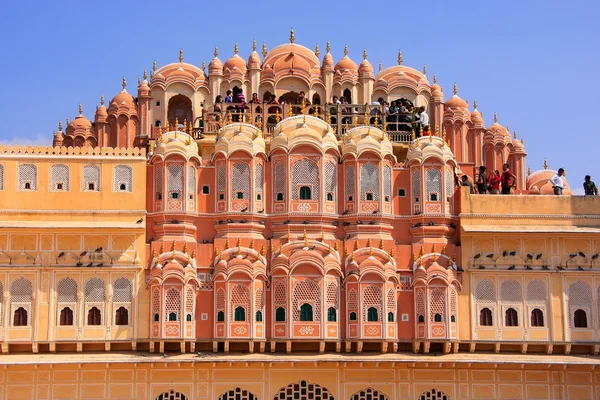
point(322, 236)
point(292, 36)
point(216, 53)
point(59, 126)
point(305, 238)
point(180, 55)
point(424, 69)
point(124, 83)
point(444, 250)
point(381, 244)
point(380, 66)
point(252, 244)
point(203, 65)
point(185, 248)
point(495, 118)
point(328, 47)
point(101, 99)
point(254, 45)
point(514, 134)
point(392, 252)
point(528, 171)
point(399, 57)
point(262, 250)
point(356, 245)
point(154, 66)
point(290, 112)
point(443, 134)
point(162, 248)
point(545, 164)
point(346, 50)
point(413, 136)
point(474, 104)
point(369, 242)
point(317, 51)
point(264, 50)
point(364, 54)
point(145, 75)
point(235, 48)
point(455, 90)
point(277, 116)
point(80, 109)
point(422, 251)
point(239, 242)
point(434, 79)
point(139, 80)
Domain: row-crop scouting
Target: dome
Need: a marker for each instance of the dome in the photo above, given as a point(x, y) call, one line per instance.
point(476, 116)
point(427, 147)
point(80, 122)
point(176, 143)
point(401, 76)
point(346, 63)
point(327, 62)
point(365, 69)
point(178, 72)
point(290, 59)
point(123, 99)
point(456, 102)
point(539, 182)
point(499, 132)
point(101, 113)
point(235, 62)
point(254, 60)
point(215, 66)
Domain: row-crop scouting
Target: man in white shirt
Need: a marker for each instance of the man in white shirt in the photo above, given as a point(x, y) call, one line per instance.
point(424, 119)
point(557, 182)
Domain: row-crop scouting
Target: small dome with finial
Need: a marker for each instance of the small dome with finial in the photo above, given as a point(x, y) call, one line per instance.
point(455, 101)
point(235, 62)
point(346, 64)
point(365, 69)
point(101, 112)
point(123, 100)
point(215, 67)
point(500, 133)
point(254, 59)
point(80, 125)
point(327, 64)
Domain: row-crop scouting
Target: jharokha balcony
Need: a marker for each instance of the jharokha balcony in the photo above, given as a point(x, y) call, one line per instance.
point(341, 117)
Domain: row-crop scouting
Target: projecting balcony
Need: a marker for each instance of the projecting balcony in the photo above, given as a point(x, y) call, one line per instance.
point(341, 117)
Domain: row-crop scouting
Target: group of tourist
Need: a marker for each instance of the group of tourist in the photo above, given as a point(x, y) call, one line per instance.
point(496, 183)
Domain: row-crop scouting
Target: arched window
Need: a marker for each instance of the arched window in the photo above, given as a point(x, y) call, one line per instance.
point(27, 177)
point(305, 173)
point(280, 314)
point(122, 316)
point(174, 181)
point(369, 394)
point(172, 316)
point(259, 316)
point(91, 178)
point(352, 316)
point(437, 318)
point(171, 395)
point(421, 318)
point(537, 317)
point(452, 318)
point(433, 394)
point(123, 178)
point(220, 316)
point(331, 314)
point(347, 95)
point(279, 196)
point(238, 394)
point(240, 181)
point(390, 317)
point(369, 182)
point(66, 317)
point(20, 317)
point(239, 314)
point(511, 317)
point(305, 193)
point(188, 318)
point(60, 178)
point(580, 319)
point(485, 317)
point(306, 312)
point(304, 390)
point(156, 317)
point(94, 316)
point(372, 314)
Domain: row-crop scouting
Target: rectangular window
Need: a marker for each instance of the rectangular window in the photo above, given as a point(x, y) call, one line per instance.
point(240, 195)
point(205, 189)
point(402, 192)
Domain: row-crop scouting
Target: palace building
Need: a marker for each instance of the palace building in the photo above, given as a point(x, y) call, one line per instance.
point(304, 236)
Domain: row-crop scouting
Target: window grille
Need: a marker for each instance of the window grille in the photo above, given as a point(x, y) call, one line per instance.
point(67, 291)
point(304, 390)
point(449, 184)
point(171, 395)
point(122, 290)
point(305, 173)
point(350, 179)
point(280, 293)
point(416, 182)
point(536, 292)
point(420, 303)
point(332, 294)
point(580, 298)
point(220, 299)
point(175, 179)
point(21, 291)
point(485, 292)
point(240, 297)
point(352, 300)
point(259, 300)
point(369, 394)
point(258, 178)
point(221, 181)
point(60, 178)
point(433, 184)
point(387, 182)
point(159, 181)
point(189, 300)
point(330, 185)
point(240, 180)
point(191, 183)
point(238, 394)
point(27, 177)
point(369, 181)
point(279, 179)
point(434, 394)
point(95, 291)
point(437, 305)
point(307, 292)
point(391, 300)
point(123, 178)
point(1, 176)
point(173, 304)
point(372, 298)
point(91, 178)
point(510, 291)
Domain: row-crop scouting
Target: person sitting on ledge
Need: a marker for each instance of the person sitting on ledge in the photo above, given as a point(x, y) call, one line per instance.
point(465, 182)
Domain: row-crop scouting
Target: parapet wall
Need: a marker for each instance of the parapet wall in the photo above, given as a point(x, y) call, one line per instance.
point(73, 151)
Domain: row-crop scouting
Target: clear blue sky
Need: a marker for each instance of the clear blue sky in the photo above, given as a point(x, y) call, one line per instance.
point(535, 63)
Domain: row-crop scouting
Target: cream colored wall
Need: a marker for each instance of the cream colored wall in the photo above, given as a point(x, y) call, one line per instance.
point(204, 380)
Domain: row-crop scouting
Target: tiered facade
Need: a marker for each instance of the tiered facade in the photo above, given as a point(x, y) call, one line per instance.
point(182, 248)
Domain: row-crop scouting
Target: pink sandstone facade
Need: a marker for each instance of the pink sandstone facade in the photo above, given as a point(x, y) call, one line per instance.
point(181, 248)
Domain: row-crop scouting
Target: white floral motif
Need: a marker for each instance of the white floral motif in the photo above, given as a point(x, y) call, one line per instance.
point(306, 330)
point(304, 207)
point(240, 330)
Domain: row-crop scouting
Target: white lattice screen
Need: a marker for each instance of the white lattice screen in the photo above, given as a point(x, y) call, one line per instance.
point(95, 291)
point(510, 291)
point(350, 180)
point(437, 304)
point(91, 175)
point(278, 179)
point(220, 300)
point(387, 182)
point(155, 301)
point(159, 181)
point(330, 185)
point(175, 179)
point(580, 297)
point(240, 180)
point(485, 291)
point(1, 176)
point(221, 180)
point(449, 184)
point(173, 304)
point(420, 302)
point(352, 300)
point(189, 300)
point(433, 182)
point(332, 295)
point(307, 291)
point(279, 293)
point(21, 291)
point(536, 292)
point(369, 181)
point(191, 183)
point(416, 182)
point(59, 175)
point(391, 300)
point(434, 394)
point(258, 178)
point(27, 175)
point(123, 176)
point(171, 395)
point(66, 291)
point(372, 297)
point(238, 394)
point(453, 303)
point(305, 173)
point(259, 300)
point(369, 394)
point(304, 390)
point(122, 290)
point(240, 297)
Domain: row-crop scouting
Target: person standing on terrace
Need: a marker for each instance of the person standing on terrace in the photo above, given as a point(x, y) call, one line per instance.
point(557, 182)
point(481, 181)
point(507, 180)
point(424, 118)
point(494, 182)
point(589, 187)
